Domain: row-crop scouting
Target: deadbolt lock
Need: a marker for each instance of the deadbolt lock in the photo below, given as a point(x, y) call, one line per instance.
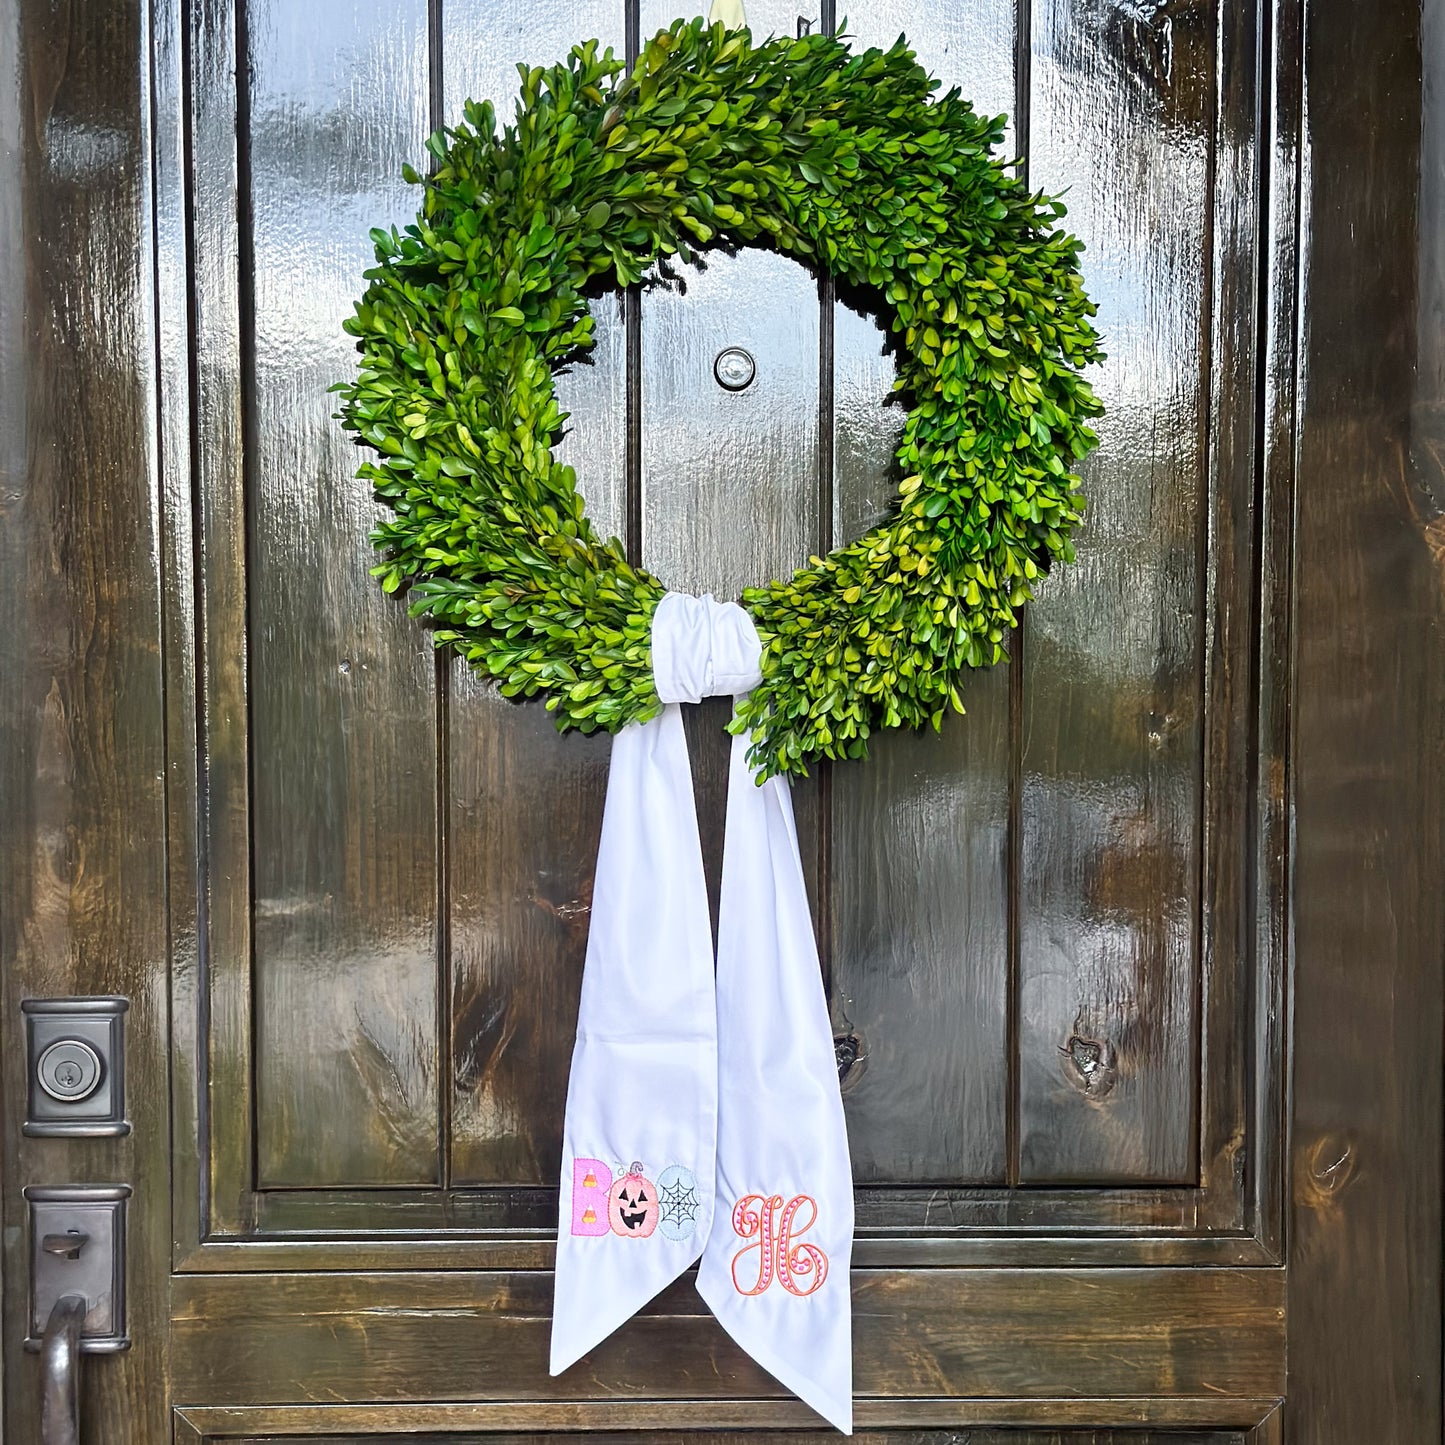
point(76, 1052)
point(69, 1070)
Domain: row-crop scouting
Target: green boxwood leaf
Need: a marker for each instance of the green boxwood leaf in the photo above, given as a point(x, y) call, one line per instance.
point(469, 311)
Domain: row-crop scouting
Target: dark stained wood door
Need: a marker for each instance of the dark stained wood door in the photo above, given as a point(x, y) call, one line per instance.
point(346, 886)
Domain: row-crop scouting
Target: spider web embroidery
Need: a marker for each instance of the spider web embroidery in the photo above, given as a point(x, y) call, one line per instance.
point(680, 1204)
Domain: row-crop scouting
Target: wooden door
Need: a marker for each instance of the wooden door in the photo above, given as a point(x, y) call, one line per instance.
point(346, 887)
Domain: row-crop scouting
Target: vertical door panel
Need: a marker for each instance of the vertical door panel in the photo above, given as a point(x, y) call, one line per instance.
point(1120, 116)
point(919, 882)
point(342, 723)
point(524, 803)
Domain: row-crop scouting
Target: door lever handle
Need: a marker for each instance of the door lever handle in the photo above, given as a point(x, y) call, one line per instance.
point(67, 1245)
point(60, 1363)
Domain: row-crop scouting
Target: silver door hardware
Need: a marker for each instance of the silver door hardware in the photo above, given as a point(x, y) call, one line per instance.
point(734, 368)
point(77, 1292)
point(76, 1053)
point(67, 1245)
point(60, 1359)
point(77, 1250)
point(69, 1070)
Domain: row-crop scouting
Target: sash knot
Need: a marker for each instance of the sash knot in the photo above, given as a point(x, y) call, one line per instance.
point(703, 648)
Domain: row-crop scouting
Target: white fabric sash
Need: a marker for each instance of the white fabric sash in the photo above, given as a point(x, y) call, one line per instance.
point(703, 1115)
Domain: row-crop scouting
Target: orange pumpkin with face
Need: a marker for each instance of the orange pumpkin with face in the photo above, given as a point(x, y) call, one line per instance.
point(632, 1205)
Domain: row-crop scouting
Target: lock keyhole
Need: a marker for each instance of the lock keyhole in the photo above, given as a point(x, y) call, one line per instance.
point(69, 1070)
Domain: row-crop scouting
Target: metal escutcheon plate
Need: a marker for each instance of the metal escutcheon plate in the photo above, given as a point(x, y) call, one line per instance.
point(734, 368)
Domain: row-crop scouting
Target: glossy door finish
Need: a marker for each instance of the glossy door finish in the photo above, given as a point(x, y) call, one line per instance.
point(1109, 856)
point(1011, 915)
point(340, 684)
point(1369, 790)
point(919, 901)
point(347, 887)
point(82, 748)
point(523, 805)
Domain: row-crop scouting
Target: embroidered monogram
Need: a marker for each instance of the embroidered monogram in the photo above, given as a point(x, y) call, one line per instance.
point(799, 1268)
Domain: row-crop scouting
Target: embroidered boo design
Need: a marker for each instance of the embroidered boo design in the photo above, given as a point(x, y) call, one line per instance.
point(630, 1204)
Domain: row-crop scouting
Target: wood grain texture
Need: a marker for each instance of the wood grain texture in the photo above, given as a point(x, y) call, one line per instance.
point(919, 886)
point(524, 805)
point(526, 812)
point(342, 723)
point(82, 807)
point(908, 857)
point(1369, 933)
point(1120, 113)
point(99, 513)
point(221, 1032)
point(1244, 824)
point(728, 1425)
point(1050, 1335)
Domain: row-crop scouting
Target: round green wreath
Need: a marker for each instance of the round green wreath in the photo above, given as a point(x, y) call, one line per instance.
point(844, 161)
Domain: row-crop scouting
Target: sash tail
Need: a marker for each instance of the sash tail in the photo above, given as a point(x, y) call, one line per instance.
point(640, 1135)
point(776, 1268)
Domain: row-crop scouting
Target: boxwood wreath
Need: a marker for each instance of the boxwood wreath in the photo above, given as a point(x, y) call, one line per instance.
point(845, 161)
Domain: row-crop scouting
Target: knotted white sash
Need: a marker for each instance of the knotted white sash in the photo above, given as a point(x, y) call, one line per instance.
point(703, 1113)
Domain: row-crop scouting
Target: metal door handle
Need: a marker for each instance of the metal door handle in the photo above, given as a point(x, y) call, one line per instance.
point(67, 1245)
point(60, 1364)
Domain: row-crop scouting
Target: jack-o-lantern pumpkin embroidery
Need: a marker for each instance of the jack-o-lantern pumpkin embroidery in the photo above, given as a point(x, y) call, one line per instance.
point(799, 1268)
point(632, 1207)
